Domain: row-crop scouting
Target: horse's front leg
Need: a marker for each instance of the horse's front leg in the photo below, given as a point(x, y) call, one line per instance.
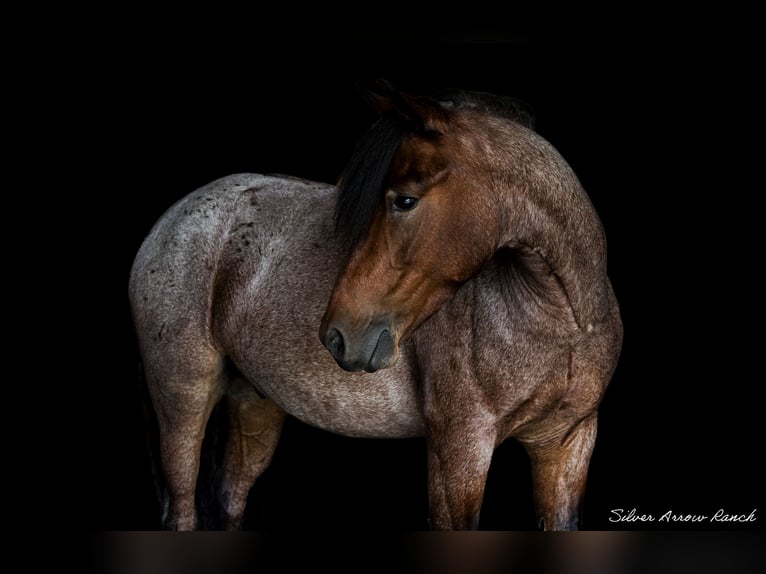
point(459, 455)
point(559, 472)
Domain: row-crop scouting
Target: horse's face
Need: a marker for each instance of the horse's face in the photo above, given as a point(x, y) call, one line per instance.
point(429, 234)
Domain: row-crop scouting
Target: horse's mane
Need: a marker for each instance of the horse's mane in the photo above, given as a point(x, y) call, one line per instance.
point(365, 174)
point(364, 177)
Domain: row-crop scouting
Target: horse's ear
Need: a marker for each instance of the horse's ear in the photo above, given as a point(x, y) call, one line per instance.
point(426, 114)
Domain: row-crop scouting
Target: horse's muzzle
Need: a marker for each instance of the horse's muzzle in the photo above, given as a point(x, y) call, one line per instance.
point(374, 350)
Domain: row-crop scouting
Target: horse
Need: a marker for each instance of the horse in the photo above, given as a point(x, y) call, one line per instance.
point(457, 277)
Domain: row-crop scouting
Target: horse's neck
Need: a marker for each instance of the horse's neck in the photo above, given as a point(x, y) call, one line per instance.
point(554, 218)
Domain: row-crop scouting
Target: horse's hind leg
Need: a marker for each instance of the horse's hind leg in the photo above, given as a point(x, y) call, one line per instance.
point(183, 399)
point(255, 424)
point(559, 472)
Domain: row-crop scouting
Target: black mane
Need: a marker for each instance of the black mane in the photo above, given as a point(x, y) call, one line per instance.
point(364, 177)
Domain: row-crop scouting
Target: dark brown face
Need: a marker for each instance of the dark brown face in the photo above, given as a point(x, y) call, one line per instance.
point(422, 244)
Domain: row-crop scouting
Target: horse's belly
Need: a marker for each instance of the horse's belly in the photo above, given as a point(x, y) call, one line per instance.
point(277, 348)
point(316, 391)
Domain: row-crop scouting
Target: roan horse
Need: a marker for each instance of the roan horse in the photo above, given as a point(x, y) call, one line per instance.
point(465, 270)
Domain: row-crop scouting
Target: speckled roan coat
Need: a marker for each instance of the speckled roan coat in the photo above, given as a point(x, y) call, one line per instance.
point(230, 287)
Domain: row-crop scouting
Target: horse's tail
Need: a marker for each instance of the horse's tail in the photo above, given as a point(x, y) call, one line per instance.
point(152, 439)
point(211, 460)
point(209, 509)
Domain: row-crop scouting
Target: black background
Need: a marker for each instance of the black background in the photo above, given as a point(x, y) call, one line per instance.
point(659, 139)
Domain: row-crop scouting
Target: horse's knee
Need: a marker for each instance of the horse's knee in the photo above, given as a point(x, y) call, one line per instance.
point(559, 472)
point(457, 472)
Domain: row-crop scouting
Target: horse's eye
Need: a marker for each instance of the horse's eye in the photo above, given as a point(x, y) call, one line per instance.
point(405, 202)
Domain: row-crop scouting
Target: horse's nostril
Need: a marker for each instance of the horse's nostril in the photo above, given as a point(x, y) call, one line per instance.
point(384, 350)
point(334, 342)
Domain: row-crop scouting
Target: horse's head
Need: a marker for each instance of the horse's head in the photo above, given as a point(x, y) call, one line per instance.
point(414, 207)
